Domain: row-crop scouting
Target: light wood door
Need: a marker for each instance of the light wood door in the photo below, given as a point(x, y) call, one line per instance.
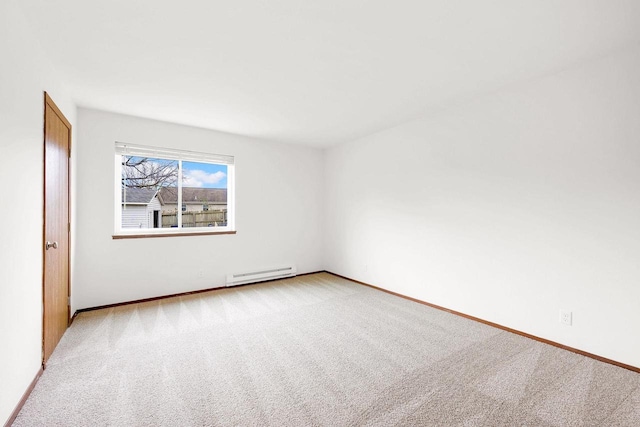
point(57, 149)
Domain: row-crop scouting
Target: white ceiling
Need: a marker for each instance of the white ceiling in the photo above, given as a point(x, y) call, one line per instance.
point(315, 72)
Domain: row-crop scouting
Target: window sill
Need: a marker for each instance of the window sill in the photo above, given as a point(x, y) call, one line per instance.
point(169, 234)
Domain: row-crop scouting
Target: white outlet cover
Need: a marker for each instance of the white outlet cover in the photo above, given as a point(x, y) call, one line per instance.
point(566, 317)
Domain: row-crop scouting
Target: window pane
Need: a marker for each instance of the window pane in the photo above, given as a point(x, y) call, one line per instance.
point(144, 183)
point(204, 194)
point(164, 193)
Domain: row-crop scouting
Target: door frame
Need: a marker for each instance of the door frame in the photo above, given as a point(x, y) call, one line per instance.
point(49, 102)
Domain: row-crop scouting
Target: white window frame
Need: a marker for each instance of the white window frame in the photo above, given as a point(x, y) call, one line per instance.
point(124, 149)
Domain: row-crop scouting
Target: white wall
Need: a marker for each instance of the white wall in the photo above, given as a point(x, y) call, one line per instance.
point(24, 75)
point(509, 208)
point(279, 189)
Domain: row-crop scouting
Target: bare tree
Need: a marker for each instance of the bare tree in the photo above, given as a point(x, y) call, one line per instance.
point(142, 172)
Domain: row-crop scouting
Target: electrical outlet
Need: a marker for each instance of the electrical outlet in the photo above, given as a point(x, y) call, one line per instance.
point(565, 317)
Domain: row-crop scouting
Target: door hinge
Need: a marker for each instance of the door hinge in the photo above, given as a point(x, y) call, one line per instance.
point(69, 227)
point(69, 301)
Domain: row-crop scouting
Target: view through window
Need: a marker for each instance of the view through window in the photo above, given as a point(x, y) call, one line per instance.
point(166, 190)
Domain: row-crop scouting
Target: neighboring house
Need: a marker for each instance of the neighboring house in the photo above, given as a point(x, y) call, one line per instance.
point(193, 199)
point(141, 208)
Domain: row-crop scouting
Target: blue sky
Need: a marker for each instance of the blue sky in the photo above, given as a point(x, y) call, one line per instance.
point(194, 174)
point(204, 175)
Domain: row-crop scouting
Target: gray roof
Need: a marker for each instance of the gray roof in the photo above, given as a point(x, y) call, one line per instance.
point(138, 195)
point(191, 195)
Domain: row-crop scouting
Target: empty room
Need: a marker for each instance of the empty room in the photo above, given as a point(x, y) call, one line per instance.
point(332, 213)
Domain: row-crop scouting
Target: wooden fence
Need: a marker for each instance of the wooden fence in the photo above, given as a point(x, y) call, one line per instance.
point(195, 219)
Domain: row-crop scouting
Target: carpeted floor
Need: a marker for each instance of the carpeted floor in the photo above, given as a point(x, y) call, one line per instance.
point(316, 350)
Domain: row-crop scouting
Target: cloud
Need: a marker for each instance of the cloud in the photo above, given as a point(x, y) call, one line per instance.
point(200, 178)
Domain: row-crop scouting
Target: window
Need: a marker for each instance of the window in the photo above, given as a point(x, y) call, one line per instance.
point(161, 191)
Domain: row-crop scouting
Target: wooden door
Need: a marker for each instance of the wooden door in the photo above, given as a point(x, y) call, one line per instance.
point(56, 235)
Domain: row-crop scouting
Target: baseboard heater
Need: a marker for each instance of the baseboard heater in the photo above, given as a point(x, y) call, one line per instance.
point(261, 275)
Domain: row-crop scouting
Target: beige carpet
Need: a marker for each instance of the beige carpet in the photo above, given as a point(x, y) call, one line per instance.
point(316, 350)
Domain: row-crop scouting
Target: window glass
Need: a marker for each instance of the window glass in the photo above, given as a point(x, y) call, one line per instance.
point(204, 194)
point(171, 191)
point(142, 179)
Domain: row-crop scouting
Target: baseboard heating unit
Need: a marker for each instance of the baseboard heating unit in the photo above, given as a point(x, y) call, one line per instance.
point(260, 275)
